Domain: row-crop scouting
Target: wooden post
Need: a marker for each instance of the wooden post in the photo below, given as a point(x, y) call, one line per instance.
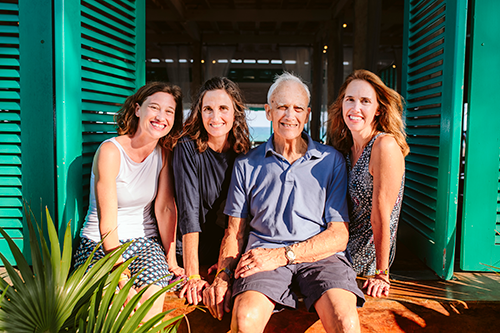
point(317, 83)
point(366, 34)
point(196, 74)
point(335, 69)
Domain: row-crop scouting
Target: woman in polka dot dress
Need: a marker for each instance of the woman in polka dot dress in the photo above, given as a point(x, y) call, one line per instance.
point(366, 125)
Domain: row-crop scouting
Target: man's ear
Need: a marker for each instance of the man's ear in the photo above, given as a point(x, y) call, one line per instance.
point(267, 107)
point(308, 114)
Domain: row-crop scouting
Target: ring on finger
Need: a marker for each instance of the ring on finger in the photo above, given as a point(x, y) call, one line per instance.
point(248, 267)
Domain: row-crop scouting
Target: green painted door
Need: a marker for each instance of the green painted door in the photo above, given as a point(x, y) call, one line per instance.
point(481, 209)
point(432, 85)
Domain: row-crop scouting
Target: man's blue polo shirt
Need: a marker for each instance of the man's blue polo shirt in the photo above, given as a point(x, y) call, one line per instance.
point(287, 203)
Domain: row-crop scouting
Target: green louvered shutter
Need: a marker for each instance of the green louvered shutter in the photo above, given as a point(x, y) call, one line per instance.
point(113, 62)
point(432, 84)
point(10, 128)
point(109, 66)
point(26, 116)
point(481, 209)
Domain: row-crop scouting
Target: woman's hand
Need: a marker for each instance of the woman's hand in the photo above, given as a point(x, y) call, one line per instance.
point(193, 289)
point(131, 292)
point(377, 286)
point(176, 270)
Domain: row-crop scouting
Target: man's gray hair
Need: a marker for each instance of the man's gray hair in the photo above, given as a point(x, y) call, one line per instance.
point(287, 77)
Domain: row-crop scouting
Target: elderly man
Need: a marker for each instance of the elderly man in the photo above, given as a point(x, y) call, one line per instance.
point(290, 194)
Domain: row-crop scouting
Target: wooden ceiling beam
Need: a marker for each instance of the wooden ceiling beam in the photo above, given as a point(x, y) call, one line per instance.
point(211, 38)
point(243, 15)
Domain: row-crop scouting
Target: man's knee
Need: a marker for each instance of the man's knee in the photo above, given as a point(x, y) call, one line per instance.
point(337, 311)
point(251, 312)
point(244, 319)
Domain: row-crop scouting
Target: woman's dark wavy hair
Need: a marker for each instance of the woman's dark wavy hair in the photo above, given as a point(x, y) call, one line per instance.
point(239, 137)
point(390, 120)
point(127, 121)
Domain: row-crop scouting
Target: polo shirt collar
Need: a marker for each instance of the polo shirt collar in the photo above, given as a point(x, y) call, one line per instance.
point(312, 149)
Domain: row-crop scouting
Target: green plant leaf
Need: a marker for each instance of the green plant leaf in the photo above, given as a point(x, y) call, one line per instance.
point(47, 298)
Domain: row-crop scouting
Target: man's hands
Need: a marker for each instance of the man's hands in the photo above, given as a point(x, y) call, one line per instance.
point(260, 260)
point(217, 297)
point(193, 290)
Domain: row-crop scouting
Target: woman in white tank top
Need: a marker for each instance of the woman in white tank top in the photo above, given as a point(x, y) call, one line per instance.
point(127, 173)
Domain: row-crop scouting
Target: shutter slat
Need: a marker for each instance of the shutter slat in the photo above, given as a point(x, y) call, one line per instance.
point(10, 181)
point(9, 170)
point(9, 6)
point(107, 69)
point(10, 159)
point(9, 127)
point(8, 18)
point(10, 84)
point(91, 106)
point(102, 97)
point(11, 212)
point(10, 138)
point(107, 88)
point(9, 51)
point(9, 29)
point(86, 116)
point(107, 60)
point(10, 62)
point(124, 83)
point(10, 191)
point(10, 106)
point(9, 94)
point(10, 116)
point(10, 223)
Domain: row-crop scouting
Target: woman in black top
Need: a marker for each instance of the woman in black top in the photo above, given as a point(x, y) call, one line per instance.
point(214, 134)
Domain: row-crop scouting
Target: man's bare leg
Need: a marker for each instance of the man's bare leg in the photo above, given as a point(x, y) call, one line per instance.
point(337, 310)
point(251, 312)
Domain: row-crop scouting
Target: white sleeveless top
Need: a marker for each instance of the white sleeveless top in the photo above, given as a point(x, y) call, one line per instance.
point(136, 187)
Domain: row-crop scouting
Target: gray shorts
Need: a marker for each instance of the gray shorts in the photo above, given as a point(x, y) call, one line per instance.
point(313, 279)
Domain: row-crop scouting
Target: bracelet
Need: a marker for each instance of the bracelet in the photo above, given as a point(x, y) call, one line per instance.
point(384, 272)
point(127, 273)
point(225, 270)
point(194, 276)
point(123, 277)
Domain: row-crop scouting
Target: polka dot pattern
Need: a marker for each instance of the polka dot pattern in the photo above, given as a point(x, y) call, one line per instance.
point(361, 245)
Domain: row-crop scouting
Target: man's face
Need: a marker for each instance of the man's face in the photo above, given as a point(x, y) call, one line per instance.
point(288, 111)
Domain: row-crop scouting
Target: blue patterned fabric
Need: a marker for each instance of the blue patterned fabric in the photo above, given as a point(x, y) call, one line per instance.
point(150, 256)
